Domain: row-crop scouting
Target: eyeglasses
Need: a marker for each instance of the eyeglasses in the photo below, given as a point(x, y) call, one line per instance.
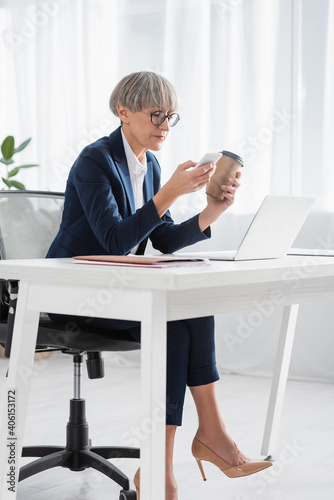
point(158, 117)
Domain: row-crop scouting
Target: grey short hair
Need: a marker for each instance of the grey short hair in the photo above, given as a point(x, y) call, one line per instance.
point(143, 90)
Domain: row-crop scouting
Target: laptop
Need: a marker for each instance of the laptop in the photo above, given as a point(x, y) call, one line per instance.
point(272, 231)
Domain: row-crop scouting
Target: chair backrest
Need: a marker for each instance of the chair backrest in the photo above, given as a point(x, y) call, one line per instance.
point(29, 221)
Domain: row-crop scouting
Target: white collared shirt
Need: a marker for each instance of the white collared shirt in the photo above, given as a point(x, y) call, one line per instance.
point(137, 171)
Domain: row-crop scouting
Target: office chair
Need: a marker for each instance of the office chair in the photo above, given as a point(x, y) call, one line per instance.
point(29, 220)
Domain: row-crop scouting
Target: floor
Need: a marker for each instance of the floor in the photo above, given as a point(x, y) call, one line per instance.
point(304, 461)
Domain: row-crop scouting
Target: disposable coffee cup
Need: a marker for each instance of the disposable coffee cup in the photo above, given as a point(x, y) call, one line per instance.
point(226, 167)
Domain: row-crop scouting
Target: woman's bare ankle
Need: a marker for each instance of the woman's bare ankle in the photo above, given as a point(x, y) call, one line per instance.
point(171, 485)
point(222, 444)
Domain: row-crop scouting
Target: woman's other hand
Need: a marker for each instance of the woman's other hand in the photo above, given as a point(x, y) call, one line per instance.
point(216, 207)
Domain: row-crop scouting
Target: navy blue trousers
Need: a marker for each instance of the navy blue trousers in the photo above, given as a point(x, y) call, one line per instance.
point(191, 358)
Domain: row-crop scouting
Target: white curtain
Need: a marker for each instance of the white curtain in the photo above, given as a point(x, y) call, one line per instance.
point(255, 77)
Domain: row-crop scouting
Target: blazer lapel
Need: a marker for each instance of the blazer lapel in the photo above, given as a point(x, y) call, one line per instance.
point(118, 155)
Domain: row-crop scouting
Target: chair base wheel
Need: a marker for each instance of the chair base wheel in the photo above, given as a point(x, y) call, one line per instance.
point(128, 495)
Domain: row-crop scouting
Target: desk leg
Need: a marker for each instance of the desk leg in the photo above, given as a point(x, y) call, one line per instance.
point(153, 396)
point(280, 376)
point(16, 395)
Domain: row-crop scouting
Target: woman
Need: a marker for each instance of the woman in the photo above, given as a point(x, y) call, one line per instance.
point(113, 204)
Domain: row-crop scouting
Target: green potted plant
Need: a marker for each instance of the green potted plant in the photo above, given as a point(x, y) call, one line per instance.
point(8, 151)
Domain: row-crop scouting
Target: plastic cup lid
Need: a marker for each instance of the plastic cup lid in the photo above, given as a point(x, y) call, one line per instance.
point(234, 156)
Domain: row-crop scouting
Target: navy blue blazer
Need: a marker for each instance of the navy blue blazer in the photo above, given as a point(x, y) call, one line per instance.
point(99, 214)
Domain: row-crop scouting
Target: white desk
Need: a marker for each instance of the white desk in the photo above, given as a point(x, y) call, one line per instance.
point(154, 296)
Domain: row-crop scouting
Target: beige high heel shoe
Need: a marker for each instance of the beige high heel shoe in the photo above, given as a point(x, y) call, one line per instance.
point(202, 452)
point(136, 481)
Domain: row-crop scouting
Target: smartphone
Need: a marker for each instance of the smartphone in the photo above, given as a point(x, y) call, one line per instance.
point(208, 158)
